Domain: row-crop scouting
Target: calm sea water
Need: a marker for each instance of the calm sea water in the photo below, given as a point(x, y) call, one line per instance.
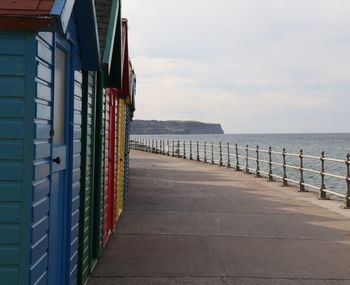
point(334, 146)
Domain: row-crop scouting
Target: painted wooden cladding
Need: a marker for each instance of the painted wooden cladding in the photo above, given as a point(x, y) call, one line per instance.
point(26, 108)
point(76, 160)
point(87, 208)
point(42, 160)
point(107, 166)
point(126, 150)
point(110, 163)
point(120, 175)
point(17, 72)
point(99, 165)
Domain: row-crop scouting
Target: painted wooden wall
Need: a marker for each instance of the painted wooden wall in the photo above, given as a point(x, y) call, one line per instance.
point(42, 159)
point(99, 165)
point(87, 209)
point(17, 68)
point(75, 155)
point(126, 150)
point(107, 166)
point(120, 175)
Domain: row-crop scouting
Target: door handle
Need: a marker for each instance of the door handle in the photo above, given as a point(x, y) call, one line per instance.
point(57, 160)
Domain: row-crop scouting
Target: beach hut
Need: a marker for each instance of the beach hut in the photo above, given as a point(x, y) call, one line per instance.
point(129, 113)
point(123, 102)
point(110, 83)
point(45, 47)
point(90, 233)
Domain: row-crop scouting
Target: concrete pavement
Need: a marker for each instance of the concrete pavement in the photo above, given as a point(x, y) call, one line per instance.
point(193, 223)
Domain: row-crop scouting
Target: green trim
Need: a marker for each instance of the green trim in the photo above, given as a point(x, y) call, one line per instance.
point(89, 78)
point(108, 52)
point(98, 185)
point(27, 182)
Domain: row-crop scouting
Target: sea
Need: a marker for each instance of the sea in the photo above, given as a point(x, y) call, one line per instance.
point(334, 145)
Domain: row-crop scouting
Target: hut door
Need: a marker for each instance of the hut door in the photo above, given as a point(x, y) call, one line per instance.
point(59, 223)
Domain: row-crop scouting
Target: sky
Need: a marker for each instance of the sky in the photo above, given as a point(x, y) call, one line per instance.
point(254, 66)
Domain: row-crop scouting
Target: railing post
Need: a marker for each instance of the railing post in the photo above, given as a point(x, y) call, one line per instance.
point(205, 152)
point(228, 156)
point(323, 194)
point(163, 147)
point(178, 149)
point(198, 151)
point(220, 153)
point(301, 183)
point(184, 154)
point(237, 157)
point(212, 153)
point(285, 182)
point(347, 162)
point(257, 174)
point(191, 157)
point(167, 147)
point(152, 146)
point(157, 146)
point(270, 164)
point(246, 159)
point(173, 149)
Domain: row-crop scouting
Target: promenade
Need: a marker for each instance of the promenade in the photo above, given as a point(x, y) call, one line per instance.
point(190, 223)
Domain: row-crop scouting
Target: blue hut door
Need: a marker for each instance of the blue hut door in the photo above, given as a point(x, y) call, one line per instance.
point(59, 223)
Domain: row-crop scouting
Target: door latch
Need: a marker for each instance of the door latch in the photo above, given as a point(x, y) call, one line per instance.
point(57, 160)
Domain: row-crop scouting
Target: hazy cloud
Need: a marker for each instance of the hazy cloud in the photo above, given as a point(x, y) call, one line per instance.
point(252, 65)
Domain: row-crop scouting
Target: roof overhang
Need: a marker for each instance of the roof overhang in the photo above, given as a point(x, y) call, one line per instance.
point(88, 34)
point(61, 13)
point(34, 15)
point(126, 66)
point(112, 57)
point(54, 16)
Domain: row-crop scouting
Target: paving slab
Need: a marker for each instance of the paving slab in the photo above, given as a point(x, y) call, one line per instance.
point(193, 223)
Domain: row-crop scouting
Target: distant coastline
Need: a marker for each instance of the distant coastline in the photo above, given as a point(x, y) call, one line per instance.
point(154, 127)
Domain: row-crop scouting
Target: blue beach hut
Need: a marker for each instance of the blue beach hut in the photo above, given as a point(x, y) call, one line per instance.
point(45, 46)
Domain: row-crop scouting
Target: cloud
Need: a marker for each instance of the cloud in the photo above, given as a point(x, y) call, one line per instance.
point(252, 65)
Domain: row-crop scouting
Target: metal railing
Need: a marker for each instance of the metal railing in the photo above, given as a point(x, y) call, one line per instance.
point(289, 168)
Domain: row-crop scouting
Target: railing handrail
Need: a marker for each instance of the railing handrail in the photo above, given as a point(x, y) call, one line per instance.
point(209, 152)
